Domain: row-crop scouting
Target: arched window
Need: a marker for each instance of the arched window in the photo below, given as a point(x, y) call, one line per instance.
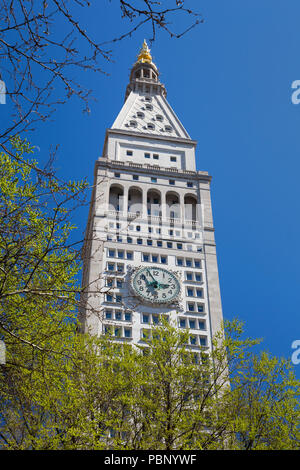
point(116, 196)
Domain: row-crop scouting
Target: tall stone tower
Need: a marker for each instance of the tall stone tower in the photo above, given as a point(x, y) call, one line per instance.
point(150, 249)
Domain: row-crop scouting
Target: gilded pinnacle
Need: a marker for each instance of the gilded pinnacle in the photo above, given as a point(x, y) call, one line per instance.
point(145, 55)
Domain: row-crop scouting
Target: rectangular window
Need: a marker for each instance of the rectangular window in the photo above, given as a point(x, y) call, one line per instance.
point(120, 268)
point(189, 276)
point(127, 332)
point(145, 334)
point(145, 257)
point(154, 259)
point(111, 267)
point(189, 184)
point(127, 316)
point(192, 324)
point(149, 242)
point(179, 262)
point(108, 314)
point(109, 298)
point(129, 255)
point(199, 293)
point(173, 159)
point(169, 244)
point(118, 299)
point(117, 175)
point(139, 241)
point(188, 263)
point(163, 259)
point(153, 180)
point(135, 177)
point(119, 283)
point(201, 324)
point(120, 254)
point(203, 341)
point(200, 308)
point(147, 155)
point(129, 153)
point(190, 292)
point(198, 277)
point(179, 246)
point(172, 182)
point(155, 319)
point(118, 332)
point(111, 253)
point(155, 156)
point(193, 340)
point(138, 228)
point(118, 315)
point(129, 240)
point(197, 263)
point(182, 322)
point(159, 243)
point(145, 318)
point(191, 307)
point(107, 329)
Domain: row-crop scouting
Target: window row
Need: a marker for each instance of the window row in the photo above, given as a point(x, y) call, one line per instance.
point(121, 254)
point(192, 323)
point(172, 182)
point(153, 318)
point(150, 242)
point(118, 315)
point(195, 307)
point(115, 267)
point(194, 340)
point(117, 331)
point(154, 156)
point(153, 258)
point(193, 276)
point(197, 340)
point(114, 282)
point(113, 298)
point(194, 292)
point(188, 262)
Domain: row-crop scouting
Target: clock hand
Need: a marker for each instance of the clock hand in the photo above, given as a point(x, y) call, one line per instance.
point(164, 286)
point(151, 275)
point(155, 283)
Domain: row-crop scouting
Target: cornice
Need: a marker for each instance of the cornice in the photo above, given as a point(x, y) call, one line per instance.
point(155, 169)
point(143, 135)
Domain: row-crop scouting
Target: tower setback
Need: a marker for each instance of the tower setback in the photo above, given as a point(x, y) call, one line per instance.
point(149, 248)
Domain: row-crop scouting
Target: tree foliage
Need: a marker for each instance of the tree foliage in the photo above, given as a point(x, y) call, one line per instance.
point(64, 390)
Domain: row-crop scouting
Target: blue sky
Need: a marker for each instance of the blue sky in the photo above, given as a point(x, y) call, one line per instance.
point(229, 81)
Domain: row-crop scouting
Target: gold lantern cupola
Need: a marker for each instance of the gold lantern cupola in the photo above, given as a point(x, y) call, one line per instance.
point(145, 54)
point(144, 75)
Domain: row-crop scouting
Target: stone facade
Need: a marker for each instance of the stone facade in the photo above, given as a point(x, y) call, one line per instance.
point(149, 207)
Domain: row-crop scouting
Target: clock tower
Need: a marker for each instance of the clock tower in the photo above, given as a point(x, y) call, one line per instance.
point(149, 248)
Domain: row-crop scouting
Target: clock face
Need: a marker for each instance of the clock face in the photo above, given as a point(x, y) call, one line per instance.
point(155, 285)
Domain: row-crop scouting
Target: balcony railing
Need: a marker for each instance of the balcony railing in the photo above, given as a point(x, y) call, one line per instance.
point(155, 219)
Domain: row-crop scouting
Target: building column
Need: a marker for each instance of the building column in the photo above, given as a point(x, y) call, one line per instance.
point(144, 203)
point(125, 202)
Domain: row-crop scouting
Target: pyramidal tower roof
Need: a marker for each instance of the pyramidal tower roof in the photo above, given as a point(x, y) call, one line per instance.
point(146, 109)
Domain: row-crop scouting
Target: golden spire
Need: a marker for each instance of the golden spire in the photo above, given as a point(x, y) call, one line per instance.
point(145, 55)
